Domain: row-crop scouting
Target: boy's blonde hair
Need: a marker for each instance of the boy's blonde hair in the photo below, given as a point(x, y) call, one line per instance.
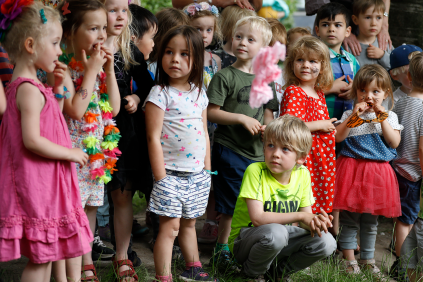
point(28, 24)
point(403, 69)
point(307, 45)
point(416, 71)
point(301, 30)
point(217, 34)
point(289, 131)
point(361, 6)
point(366, 75)
point(259, 24)
point(228, 18)
point(278, 31)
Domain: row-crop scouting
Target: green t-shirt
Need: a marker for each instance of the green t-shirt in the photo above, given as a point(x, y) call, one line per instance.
point(259, 184)
point(230, 89)
point(421, 203)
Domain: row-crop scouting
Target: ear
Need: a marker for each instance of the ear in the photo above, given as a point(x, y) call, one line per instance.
point(316, 28)
point(355, 19)
point(348, 31)
point(29, 45)
point(409, 76)
point(394, 77)
point(301, 160)
point(133, 38)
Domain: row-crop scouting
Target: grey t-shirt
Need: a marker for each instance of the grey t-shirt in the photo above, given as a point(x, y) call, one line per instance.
point(364, 60)
point(410, 115)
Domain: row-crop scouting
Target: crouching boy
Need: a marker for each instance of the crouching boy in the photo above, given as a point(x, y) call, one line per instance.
point(274, 194)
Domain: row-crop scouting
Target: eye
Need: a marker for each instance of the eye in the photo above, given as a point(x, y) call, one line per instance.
point(368, 18)
point(112, 11)
point(237, 36)
point(209, 30)
point(105, 27)
point(313, 61)
point(379, 18)
point(94, 29)
point(362, 90)
point(286, 149)
point(376, 91)
point(168, 52)
point(338, 25)
point(184, 54)
point(124, 10)
point(251, 39)
point(324, 25)
point(270, 145)
point(300, 60)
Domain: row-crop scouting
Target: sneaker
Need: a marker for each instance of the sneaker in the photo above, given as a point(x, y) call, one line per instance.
point(105, 233)
point(351, 267)
point(209, 234)
point(397, 272)
point(100, 251)
point(224, 260)
point(369, 265)
point(136, 261)
point(196, 274)
point(138, 230)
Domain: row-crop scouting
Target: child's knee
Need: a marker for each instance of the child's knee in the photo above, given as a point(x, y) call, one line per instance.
point(327, 244)
point(276, 236)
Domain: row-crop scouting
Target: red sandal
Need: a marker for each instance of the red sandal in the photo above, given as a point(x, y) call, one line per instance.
point(89, 267)
point(126, 273)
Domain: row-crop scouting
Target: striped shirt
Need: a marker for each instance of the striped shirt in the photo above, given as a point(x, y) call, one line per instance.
point(6, 68)
point(410, 115)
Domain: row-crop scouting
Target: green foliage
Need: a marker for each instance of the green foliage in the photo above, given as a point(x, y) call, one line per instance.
point(156, 5)
point(289, 21)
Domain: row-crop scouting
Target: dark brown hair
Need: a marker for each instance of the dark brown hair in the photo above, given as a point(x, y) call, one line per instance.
point(361, 6)
point(195, 50)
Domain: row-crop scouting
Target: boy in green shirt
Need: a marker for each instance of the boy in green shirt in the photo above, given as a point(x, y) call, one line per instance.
point(274, 194)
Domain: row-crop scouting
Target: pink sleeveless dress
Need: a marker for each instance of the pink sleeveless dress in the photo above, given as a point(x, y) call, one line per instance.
point(41, 216)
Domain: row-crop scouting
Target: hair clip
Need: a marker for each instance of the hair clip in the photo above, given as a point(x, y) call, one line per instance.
point(192, 9)
point(65, 95)
point(43, 16)
point(65, 9)
point(211, 172)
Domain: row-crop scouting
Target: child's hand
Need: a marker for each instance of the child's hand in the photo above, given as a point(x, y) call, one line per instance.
point(59, 75)
point(338, 85)
point(251, 124)
point(327, 125)
point(76, 155)
point(346, 91)
point(96, 60)
point(262, 129)
point(133, 101)
point(374, 52)
point(378, 108)
point(360, 108)
point(109, 66)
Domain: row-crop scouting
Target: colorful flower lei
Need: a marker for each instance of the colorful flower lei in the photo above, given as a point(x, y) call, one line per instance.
point(102, 164)
point(10, 9)
point(192, 9)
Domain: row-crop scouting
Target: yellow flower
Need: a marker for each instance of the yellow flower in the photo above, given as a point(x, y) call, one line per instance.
point(105, 106)
point(91, 141)
point(109, 145)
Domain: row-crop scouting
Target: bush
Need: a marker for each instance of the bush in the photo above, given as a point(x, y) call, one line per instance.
point(156, 5)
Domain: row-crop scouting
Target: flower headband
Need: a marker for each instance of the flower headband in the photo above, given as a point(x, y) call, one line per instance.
point(10, 9)
point(192, 9)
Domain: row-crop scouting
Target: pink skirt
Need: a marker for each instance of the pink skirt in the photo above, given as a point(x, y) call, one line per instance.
point(365, 186)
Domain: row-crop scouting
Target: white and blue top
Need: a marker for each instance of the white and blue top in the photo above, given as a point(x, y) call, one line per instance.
point(367, 141)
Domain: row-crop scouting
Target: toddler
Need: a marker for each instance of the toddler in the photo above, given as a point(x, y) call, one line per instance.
point(295, 34)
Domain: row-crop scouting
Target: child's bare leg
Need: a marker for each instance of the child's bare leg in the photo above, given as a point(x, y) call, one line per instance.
point(36, 272)
point(210, 210)
point(169, 228)
point(188, 240)
point(91, 212)
point(224, 228)
point(413, 276)
point(401, 231)
point(58, 270)
point(73, 269)
point(348, 254)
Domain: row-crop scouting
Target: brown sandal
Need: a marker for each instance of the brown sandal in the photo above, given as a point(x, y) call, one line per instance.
point(89, 267)
point(130, 273)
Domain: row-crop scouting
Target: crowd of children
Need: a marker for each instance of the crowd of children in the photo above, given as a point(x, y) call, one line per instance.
point(105, 99)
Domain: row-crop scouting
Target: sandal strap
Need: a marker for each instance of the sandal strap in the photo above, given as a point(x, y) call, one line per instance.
point(89, 267)
point(90, 279)
point(126, 273)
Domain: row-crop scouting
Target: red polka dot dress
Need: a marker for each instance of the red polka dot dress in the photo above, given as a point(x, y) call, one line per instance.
point(322, 157)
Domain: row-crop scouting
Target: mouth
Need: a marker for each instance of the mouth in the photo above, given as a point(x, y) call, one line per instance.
point(174, 68)
point(331, 37)
point(274, 163)
point(305, 72)
point(370, 104)
point(119, 26)
point(241, 51)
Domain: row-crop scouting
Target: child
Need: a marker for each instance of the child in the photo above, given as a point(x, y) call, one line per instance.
point(204, 18)
point(229, 17)
point(366, 186)
point(307, 74)
point(37, 159)
point(400, 58)
point(332, 28)
point(368, 16)
point(407, 164)
point(89, 111)
point(176, 120)
point(295, 34)
point(274, 194)
point(237, 141)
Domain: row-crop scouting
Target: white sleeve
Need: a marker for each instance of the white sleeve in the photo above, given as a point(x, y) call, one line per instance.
point(393, 121)
point(158, 97)
point(345, 115)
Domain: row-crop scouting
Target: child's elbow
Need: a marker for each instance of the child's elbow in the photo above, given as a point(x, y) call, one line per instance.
point(115, 111)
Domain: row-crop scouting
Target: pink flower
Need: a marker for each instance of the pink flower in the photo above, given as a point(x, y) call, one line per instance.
point(204, 6)
point(107, 115)
point(191, 10)
point(98, 172)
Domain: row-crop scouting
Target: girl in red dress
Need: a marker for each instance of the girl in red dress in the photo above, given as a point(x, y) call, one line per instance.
point(307, 74)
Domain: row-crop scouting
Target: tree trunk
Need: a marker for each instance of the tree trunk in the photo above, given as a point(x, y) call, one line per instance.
point(406, 22)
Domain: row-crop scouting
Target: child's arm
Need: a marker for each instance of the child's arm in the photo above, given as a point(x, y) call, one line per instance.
point(154, 122)
point(57, 80)
point(338, 86)
point(207, 160)
point(3, 102)
point(30, 103)
point(111, 82)
point(342, 130)
point(76, 106)
point(218, 61)
point(392, 136)
point(216, 115)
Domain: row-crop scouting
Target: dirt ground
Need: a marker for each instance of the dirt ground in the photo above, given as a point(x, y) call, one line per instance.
point(11, 271)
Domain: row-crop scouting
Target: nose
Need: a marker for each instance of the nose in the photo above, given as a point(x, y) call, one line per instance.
point(102, 34)
point(204, 33)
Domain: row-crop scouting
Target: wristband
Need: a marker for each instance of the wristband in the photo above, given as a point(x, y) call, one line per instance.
point(66, 94)
point(210, 172)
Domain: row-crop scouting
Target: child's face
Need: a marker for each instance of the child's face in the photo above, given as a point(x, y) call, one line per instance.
point(117, 16)
point(404, 79)
point(146, 43)
point(176, 60)
point(205, 25)
point(280, 159)
point(372, 93)
point(307, 67)
point(333, 32)
point(294, 37)
point(48, 51)
point(246, 42)
point(91, 32)
point(370, 22)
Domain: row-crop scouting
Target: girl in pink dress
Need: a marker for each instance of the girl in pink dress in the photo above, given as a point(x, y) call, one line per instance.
point(41, 216)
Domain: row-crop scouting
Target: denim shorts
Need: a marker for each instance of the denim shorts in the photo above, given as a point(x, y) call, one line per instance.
point(410, 199)
point(227, 183)
point(181, 194)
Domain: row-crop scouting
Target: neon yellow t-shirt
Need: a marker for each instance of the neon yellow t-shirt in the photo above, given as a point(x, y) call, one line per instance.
point(259, 184)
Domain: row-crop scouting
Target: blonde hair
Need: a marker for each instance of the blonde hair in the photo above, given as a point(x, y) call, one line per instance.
point(301, 30)
point(28, 24)
point(256, 23)
point(278, 31)
point(217, 33)
point(307, 45)
point(289, 131)
point(403, 69)
point(228, 18)
point(369, 73)
point(416, 71)
point(361, 6)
